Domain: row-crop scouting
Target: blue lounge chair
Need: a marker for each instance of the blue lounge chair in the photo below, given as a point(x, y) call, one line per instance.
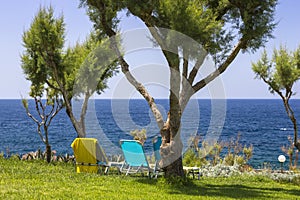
point(156, 141)
point(135, 158)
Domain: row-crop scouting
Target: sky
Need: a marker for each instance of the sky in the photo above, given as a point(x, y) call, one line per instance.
point(237, 82)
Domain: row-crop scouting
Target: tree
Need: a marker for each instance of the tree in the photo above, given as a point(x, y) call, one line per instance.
point(50, 66)
point(280, 74)
point(221, 28)
point(46, 111)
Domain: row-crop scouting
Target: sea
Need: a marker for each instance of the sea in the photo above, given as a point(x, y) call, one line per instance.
point(262, 123)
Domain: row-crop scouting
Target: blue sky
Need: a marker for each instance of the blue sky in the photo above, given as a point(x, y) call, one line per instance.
point(238, 80)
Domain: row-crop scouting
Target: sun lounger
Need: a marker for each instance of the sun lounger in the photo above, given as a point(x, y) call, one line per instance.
point(135, 158)
point(90, 157)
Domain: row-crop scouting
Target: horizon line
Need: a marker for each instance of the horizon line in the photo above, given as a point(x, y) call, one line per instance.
point(205, 98)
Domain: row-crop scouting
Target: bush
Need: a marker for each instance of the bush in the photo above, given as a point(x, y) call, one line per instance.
point(236, 154)
point(140, 135)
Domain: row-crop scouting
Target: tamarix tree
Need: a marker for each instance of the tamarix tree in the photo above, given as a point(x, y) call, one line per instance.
point(281, 73)
point(65, 71)
point(220, 29)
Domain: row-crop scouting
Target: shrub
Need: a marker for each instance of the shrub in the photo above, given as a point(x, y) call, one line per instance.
point(289, 150)
point(229, 159)
point(236, 154)
point(140, 135)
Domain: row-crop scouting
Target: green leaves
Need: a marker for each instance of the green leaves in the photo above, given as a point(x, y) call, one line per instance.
point(281, 72)
point(216, 25)
point(95, 63)
point(47, 65)
point(43, 42)
point(59, 72)
point(285, 74)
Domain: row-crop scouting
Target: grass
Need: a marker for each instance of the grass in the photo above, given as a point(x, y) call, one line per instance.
point(39, 180)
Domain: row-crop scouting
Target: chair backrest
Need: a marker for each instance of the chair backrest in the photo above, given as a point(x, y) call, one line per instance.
point(156, 141)
point(87, 150)
point(134, 154)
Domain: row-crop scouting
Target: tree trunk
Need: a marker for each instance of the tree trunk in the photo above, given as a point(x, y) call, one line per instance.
point(296, 143)
point(174, 169)
point(291, 115)
point(48, 153)
point(77, 125)
point(171, 152)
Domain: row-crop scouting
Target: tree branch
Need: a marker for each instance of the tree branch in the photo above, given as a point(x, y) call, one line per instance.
point(39, 124)
point(288, 109)
point(52, 86)
point(53, 113)
point(221, 68)
point(125, 67)
point(37, 107)
point(196, 68)
point(40, 132)
point(65, 95)
point(184, 69)
point(50, 112)
point(83, 110)
point(187, 91)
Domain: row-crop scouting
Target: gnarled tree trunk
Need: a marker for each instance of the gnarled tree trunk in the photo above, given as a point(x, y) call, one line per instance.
point(171, 152)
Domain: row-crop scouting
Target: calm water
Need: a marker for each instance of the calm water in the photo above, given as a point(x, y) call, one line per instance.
point(262, 123)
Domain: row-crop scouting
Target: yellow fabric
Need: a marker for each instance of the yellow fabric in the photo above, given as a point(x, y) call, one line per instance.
point(85, 154)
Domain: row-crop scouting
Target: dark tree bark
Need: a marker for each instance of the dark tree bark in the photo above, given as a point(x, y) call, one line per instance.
point(48, 153)
point(291, 115)
point(171, 152)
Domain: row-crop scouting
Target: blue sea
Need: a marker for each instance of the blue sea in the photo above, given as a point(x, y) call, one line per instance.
point(262, 123)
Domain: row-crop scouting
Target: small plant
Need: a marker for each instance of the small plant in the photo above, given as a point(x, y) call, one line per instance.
point(216, 151)
point(140, 135)
point(236, 154)
point(39, 155)
point(194, 142)
point(229, 159)
point(248, 152)
point(192, 158)
point(240, 160)
point(289, 150)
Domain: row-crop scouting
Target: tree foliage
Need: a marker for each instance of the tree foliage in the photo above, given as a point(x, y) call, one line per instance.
point(281, 73)
point(57, 70)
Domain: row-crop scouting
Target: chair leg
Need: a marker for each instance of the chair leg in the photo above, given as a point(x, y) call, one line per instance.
point(128, 170)
point(106, 170)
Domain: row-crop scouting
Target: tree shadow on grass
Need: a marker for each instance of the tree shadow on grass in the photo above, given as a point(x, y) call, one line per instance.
point(235, 191)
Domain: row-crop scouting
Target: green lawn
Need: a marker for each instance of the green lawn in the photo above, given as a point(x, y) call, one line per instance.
point(39, 180)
